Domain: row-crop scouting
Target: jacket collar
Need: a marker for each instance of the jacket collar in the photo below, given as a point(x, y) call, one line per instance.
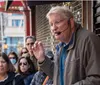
point(77, 27)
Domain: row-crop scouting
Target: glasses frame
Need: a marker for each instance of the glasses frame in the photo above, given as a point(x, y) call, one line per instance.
point(23, 64)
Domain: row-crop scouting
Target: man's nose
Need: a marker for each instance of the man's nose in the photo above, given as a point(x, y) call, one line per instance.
point(54, 27)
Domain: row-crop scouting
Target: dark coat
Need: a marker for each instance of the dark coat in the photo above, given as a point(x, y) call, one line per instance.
point(13, 78)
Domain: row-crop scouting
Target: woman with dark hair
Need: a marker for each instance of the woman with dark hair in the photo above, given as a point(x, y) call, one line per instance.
point(7, 74)
point(13, 58)
point(26, 69)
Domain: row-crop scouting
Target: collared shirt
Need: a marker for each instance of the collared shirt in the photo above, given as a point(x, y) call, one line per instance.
point(62, 58)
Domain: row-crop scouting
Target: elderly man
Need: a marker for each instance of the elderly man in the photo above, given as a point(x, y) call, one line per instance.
point(77, 60)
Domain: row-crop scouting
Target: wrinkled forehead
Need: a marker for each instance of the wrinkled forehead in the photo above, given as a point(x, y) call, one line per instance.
point(55, 17)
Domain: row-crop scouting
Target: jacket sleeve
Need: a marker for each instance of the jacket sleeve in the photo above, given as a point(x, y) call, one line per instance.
point(91, 61)
point(47, 67)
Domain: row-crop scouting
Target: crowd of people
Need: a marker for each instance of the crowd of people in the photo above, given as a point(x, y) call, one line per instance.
point(76, 61)
point(22, 68)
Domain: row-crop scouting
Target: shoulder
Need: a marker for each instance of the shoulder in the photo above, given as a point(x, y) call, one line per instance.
point(38, 78)
point(19, 79)
point(83, 35)
point(39, 75)
point(29, 76)
point(15, 78)
point(17, 75)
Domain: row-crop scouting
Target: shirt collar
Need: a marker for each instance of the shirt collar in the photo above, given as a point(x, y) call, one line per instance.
point(70, 44)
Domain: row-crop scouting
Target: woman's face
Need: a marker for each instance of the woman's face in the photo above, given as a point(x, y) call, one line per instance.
point(12, 59)
point(3, 66)
point(24, 66)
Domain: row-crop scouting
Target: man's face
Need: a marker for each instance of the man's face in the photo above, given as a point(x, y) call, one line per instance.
point(60, 27)
point(29, 44)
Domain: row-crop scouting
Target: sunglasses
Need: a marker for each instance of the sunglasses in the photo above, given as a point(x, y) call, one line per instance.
point(30, 43)
point(22, 64)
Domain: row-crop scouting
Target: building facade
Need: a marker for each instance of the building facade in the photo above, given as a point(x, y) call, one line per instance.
point(14, 33)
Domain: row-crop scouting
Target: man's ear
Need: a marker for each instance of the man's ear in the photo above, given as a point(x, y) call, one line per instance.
point(72, 24)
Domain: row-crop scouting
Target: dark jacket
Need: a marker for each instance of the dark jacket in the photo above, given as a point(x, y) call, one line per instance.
point(13, 78)
point(82, 64)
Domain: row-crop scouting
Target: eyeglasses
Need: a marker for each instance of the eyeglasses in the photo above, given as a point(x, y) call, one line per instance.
point(30, 43)
point(57, 22)
point(23, 64)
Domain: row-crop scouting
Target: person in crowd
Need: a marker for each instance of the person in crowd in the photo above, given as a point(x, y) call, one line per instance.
point(77, 58)
point(13, 58)
point(7, 74)
point(26, 69)
point(25, 53)
point(29, 41)
point(24, 50)
point(40, 78)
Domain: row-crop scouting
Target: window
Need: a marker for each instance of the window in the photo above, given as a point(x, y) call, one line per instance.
point(17, 23)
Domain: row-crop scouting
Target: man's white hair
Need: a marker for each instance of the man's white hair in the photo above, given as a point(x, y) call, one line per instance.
point(61, 10)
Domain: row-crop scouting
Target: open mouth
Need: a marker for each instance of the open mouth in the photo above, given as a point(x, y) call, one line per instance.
point(57, 33)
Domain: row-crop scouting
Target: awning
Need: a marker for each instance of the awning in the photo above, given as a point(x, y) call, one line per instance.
point(13, 6)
